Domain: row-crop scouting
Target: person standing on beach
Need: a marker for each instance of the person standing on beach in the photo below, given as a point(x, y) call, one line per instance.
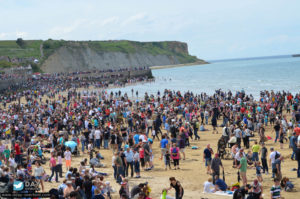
point(53, 166)
point(149, 126)
point(119, 167)
point(215, 167)
point(38, 173)
point(243, 169)
point(238, 135)
point(136, 162)
point(147, 155)
point(129, 162)
point(255, 150)
point(196, 126)
point(277, 129)
point(273, 156)
point(17, 152)
point(207, 153)
point(263, 157)
point(214, 123)
point(206, 115)
point(68, 158)
point(226, 133)
point(182, 146)
point(175, 155)
point(163, 145)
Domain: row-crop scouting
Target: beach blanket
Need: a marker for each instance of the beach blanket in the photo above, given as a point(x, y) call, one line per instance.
point(222, 193)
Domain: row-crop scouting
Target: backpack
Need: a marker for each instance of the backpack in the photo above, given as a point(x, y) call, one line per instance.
point(174, 152)
point(227, 131)
point(277, 155)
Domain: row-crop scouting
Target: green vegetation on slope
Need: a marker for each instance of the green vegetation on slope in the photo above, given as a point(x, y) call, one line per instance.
point(5, 64)
point(112, 46)
point(12, 49)
point(50, 46)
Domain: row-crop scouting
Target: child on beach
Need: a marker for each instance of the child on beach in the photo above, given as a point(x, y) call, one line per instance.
point(175, 155)
point(258, 171)
point(167, 160)
point(142, 157)
point(276, 189)
point(90, 149)
point(68, 158)
point(6, 153)
point(59, 164)
point(136, 159)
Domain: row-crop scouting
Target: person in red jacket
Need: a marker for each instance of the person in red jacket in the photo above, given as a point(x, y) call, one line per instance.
point(17, 152)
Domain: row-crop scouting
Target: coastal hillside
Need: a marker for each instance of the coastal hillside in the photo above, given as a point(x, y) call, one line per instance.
point(52, 56)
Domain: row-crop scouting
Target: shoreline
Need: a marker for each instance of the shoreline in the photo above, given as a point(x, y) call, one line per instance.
point(178, 65)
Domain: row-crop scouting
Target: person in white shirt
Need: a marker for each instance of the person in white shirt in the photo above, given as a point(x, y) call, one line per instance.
point(237, 157)
point(129, 160)
point(68, 158)
point(206, 115)
point(97, 137)
point(12, 163)
point(226, 132)
point(273, 158)
point(86, 124)
point(208, 186)
point(114, 165)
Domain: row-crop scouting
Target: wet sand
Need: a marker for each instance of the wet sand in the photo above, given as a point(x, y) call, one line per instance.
point(177, 65)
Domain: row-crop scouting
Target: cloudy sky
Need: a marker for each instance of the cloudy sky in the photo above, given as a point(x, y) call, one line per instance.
point(213, 29)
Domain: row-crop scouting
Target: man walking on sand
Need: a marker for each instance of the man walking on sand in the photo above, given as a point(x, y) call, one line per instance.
point(215, 167)
point(208, 152)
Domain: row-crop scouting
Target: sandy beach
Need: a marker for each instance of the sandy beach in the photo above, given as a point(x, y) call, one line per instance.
point(192, 173)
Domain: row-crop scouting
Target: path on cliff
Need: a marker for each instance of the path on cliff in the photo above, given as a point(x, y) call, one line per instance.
point(41, 49)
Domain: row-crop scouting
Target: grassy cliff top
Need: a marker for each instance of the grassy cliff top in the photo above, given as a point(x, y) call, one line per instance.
point(12, 49)
point(43, 49)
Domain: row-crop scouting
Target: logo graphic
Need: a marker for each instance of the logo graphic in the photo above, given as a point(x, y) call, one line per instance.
point(18, 186)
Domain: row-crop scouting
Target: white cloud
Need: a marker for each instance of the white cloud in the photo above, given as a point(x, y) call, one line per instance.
point(20, 34)
point(109, 21)
point(3, 35)
point(105, 22)
point(61, 30)
point(134, 18)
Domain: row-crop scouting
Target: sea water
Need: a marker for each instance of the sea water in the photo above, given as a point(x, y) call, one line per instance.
point(252, 76)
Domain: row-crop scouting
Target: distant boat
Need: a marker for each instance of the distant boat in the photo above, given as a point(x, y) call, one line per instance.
point(296, 55)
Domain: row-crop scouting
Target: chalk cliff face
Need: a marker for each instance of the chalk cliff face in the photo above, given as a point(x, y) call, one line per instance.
point(83, 56)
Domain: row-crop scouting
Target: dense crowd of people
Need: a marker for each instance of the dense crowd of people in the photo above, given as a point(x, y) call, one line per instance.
point(87, 122)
